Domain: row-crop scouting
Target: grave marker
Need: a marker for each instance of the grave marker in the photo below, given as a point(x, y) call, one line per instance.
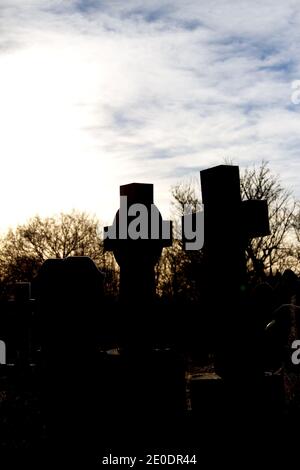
point(137, 257)
point(69, 305)
point(148, 385)
point(228, 224)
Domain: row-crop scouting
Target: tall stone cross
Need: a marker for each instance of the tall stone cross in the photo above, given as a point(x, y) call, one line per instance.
point(149, 387)
point(136, 239)
point(229, 223)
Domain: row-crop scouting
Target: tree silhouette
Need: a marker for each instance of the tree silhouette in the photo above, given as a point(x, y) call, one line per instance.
point(276, 250)
point(24, 249)
point(263, 254)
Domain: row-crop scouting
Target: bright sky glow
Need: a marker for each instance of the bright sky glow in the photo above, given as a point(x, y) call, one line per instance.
point(95, 94)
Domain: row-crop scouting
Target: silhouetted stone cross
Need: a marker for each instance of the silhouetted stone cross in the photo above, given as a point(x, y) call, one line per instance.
point(137, 257)
point(147, 383)
point(229, 223)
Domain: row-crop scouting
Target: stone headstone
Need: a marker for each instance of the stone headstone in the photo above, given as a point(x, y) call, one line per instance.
point(16, 324)
point(69, 304)
point(137, 257)
point(146, 385)
point(228, 224)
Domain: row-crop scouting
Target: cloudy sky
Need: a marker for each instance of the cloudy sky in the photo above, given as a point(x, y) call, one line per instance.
point(94, 94)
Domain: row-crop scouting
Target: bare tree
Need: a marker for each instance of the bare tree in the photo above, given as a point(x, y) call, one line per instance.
point(185, 198)
point(276, 250)
point(24, 249)
point(177, 271)
point(295, 251)
point(264, 254)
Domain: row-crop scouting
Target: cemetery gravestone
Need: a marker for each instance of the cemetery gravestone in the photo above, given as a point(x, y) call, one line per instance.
point(69, 306)
point(137, 259)
point(16, 324)
point(228, 224)
point(149, 385)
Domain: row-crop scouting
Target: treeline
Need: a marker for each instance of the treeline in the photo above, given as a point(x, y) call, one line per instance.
point(179, 274)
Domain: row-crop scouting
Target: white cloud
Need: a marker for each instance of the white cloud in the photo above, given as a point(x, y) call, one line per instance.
point(96, 94)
